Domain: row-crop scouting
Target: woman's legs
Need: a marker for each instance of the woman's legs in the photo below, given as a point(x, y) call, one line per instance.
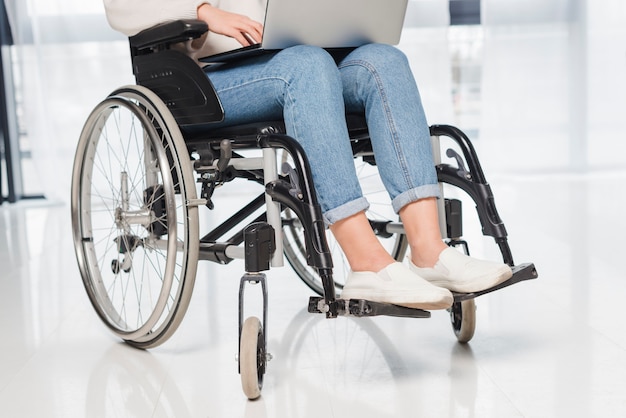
point(304, 86)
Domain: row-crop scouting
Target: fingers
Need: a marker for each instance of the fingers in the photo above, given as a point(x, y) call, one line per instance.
point(245, 30)
point(248, 32)
point(250, 39)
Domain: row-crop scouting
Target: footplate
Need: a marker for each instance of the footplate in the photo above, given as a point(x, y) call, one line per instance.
point(362, 308)
point(521, 272)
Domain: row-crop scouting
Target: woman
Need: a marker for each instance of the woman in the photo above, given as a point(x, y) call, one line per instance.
point(312, 91)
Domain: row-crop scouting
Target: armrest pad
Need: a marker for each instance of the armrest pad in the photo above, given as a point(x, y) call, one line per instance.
point(168, 33)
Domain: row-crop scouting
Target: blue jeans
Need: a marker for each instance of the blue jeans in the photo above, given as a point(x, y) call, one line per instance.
point(312, 92)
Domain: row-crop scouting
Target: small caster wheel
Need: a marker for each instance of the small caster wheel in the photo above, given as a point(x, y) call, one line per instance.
point(463, 318)
point(252, 357)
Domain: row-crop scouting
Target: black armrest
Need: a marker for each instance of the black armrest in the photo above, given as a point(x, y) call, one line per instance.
point(168, 33)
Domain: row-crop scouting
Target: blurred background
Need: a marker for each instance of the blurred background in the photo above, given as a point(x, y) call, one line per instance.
point(511, 73)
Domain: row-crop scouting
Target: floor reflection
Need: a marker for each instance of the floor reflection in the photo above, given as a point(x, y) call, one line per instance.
point(129, 382)
point(464, 380)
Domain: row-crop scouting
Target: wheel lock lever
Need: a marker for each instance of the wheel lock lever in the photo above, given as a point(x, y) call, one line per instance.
point(462, 171)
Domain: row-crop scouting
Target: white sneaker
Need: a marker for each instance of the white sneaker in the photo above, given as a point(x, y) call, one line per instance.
point(460, 273)
point(398, 285)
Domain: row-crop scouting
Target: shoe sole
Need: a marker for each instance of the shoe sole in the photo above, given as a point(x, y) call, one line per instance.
point(444, 303)
point(427, 306)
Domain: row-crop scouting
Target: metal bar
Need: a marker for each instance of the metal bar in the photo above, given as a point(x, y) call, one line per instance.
point(441, 209)
point(270, 173)
point(5, 133)
point(234, 220)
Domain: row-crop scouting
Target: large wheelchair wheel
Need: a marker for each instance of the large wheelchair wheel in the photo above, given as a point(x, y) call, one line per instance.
point(135, 231)
point(380, 211)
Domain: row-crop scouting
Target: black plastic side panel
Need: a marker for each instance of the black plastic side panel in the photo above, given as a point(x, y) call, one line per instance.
point(181, 84)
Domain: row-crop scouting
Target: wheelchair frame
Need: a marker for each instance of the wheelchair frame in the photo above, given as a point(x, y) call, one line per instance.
point(173, 97)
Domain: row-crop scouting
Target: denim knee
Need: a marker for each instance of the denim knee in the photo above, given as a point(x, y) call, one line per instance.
point(379, 55)
point(307, 61)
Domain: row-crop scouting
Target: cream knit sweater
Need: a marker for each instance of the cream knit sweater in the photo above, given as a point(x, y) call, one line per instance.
point(132, 16)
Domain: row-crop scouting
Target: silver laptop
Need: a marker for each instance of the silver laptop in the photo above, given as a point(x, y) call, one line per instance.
point(324, 23)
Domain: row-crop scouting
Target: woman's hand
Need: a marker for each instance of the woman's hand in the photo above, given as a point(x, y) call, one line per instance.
point(245, 30)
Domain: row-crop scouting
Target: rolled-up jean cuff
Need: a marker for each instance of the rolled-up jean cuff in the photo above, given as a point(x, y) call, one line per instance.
point(421, 192)
point(346, 210)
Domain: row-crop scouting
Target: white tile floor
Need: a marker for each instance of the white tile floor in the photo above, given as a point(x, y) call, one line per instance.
point(553, 347)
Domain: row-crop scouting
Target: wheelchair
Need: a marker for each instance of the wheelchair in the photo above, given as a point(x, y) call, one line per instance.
point(148, 158)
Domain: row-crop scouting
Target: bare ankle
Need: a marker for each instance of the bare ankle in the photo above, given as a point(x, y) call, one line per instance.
point(359, 244)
